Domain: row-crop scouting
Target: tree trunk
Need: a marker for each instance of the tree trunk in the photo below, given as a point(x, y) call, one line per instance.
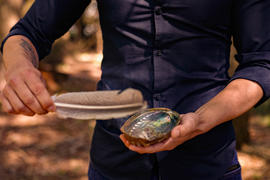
point(241, 126)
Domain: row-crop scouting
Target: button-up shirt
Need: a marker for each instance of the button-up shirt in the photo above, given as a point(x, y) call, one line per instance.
point(177, 53)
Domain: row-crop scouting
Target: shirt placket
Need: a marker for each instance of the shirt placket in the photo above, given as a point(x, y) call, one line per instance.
point(157, 53)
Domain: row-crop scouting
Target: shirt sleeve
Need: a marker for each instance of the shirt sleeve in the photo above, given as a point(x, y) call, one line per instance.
point(251, 34)
point(46, 21)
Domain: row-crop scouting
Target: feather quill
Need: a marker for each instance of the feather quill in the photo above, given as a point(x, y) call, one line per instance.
point(101, 105)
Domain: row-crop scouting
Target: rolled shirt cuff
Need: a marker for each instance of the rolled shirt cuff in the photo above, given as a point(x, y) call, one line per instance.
point(255, 67)
point(42, 45)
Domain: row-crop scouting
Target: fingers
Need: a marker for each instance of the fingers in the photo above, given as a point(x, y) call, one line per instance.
point(26, 96)
point(150, 149)
point(11, 99)
point(125, 141)
point(37, 87)
point(25, 93)
point(6, 105)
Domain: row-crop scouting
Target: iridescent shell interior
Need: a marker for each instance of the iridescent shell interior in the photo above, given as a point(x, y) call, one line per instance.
point(150, 126)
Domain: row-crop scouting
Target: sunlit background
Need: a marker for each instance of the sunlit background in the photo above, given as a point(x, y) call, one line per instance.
point(45, 147)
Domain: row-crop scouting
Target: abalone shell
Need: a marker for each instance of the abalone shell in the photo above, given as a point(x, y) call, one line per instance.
point(150, 126)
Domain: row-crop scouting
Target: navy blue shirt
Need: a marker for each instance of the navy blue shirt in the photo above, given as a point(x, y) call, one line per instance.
point(177, 53)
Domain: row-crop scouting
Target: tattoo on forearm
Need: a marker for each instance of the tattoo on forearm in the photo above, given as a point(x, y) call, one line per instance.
point(29, 52)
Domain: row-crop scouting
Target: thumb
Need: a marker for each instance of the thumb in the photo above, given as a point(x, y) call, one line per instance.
point(185, 127)
point(179, 131)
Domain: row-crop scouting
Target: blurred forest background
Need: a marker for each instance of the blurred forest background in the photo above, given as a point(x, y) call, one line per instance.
point(45, 147)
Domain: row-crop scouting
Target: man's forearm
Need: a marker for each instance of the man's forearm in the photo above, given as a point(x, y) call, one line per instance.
point(25, 91)
point(238, 97)
point(19, 49)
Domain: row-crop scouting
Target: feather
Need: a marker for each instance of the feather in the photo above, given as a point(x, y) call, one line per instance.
point(99, 105)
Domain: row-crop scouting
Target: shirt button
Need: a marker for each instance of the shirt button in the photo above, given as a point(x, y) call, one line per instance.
point(158, 52)
point(157, 97)
point(158, 11)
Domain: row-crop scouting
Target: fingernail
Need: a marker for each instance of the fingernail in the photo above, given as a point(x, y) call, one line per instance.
point(51, 109)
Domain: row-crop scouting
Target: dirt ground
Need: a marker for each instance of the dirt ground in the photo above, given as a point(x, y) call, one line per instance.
point(48, 148)
point(255, 157)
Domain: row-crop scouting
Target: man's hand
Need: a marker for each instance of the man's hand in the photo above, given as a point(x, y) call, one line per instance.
point(24, 91)
point(189, 128)
point(239, 96)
